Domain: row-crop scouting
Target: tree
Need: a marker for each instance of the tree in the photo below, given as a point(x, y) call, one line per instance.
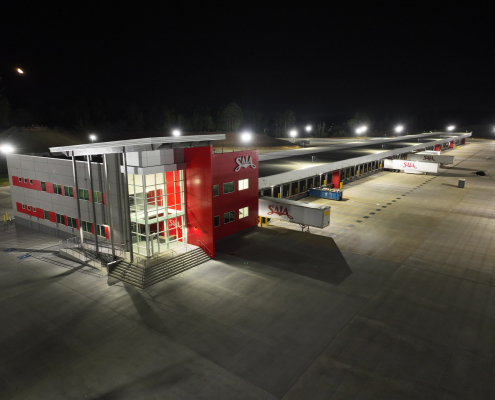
point(320, 130)
point(230, 118)
point(4, 111)
point(289, 119)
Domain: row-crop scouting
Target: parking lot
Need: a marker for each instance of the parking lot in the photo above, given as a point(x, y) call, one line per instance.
point(395, 299)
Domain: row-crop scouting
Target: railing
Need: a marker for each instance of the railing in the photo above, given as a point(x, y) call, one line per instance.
point(73, 246)
point(206, 249)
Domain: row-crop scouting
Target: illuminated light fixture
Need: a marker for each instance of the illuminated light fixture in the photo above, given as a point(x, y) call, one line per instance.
point(176, 132)
point(293, 133)
point(6, 149)
point(450, 128)
point(246, 136)
point(308, 128)
point(399, 128)
point(20, 71)
point(361, 129)
point(92, 137)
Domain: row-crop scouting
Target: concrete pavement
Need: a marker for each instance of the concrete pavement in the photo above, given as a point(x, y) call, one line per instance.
point(405, 307)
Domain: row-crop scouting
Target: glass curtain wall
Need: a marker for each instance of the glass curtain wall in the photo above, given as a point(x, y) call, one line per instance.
point(157, 210)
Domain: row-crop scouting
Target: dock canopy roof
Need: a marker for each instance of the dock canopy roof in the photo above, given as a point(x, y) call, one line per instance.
point(132, 145)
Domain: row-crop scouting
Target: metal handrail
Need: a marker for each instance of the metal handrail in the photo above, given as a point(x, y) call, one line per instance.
point(209, 251)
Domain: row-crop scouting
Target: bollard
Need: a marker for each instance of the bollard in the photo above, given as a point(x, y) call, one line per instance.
point(341, 184)
point(462, 183)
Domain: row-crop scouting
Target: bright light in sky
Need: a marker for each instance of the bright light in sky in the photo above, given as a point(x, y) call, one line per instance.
point(20, 71)
point(361, 129)
point(309, 128)
point(450, 128)
point(92, 137)
point(246, 136)
point(6, 149)
point(176, 132)
point(399, 128)
point(293, 133)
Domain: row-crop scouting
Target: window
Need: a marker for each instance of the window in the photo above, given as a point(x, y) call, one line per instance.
point(20, 179)
point(72, 222)
point(215, 190)
point(97, 197)
point(43, 186)
point(243, 184)
point(31, 181)
point(29, 208)
point(101, 230)
point(25, 180)
point(57, 189)
point(228, 217)
point(243, 212)
point(23, 206)
point(47, 215)
point(216, 220)
point(86, 227)
point(60, 219)
point(84, 194)
point(228, 187)
point(34, 209)
point(69, 191)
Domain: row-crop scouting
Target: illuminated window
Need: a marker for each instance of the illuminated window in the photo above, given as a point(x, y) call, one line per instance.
point(243, 212)
point(243, 184)
point(228, 187)
point(97, 197)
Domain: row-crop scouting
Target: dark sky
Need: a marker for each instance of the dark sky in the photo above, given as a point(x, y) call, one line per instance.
point(317, 60)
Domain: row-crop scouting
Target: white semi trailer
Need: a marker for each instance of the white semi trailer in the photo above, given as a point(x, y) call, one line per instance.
point(411, 167)
point(431, 158)
point(298, 212)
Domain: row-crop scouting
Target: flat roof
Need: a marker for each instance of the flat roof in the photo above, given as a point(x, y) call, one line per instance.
point(145, 144)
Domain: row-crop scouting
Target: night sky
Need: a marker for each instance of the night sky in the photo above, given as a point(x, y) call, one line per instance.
point(318, 61)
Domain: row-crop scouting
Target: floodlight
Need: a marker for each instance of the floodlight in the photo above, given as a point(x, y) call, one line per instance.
point(246, 136)
point(399, 128)
point(309, 128)
point(92, 137)
point(293, 133)
point(20, 71)
point(450, 128)
point(176, 132)
point(6, 149)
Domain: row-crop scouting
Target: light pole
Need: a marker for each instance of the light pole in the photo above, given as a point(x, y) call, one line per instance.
point(399, 129)
point(293, 133)
point(308, 128)
point(176, 132)
point(246, 137)
point(361, 129)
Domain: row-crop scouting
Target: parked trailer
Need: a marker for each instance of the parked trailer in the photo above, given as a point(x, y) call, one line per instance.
point(431, 158)
point(331, 194)
point(412, 167)
point(298, 212)
point(436, 152)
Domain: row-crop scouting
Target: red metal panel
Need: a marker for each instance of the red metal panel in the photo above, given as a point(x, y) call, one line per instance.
point(39, 213)
point(90, 195)
point(65, 219)
point(107, 232)
point(49, 187)
point(104, 199)
point(336, 179)
point(451, 145)
point(77, 224)
point(63, 190)
point(52, 216)
point(199, 191)
point(224, 170)
point(36, 185)
point(92, 228)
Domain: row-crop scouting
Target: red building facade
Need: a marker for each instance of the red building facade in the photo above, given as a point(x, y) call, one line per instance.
point(221, 194)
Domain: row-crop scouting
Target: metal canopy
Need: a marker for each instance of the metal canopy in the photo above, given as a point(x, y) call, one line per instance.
point(131, 145)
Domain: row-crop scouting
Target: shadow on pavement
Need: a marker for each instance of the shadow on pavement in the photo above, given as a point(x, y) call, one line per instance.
point(314, 256)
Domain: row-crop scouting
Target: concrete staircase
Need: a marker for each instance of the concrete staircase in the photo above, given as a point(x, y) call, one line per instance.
point(144, 276)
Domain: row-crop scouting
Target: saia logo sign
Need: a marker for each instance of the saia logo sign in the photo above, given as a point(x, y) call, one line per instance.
point(244, 162)
point(431, 158)
point(280, 211)
point(409, 165)
point(172, 223)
